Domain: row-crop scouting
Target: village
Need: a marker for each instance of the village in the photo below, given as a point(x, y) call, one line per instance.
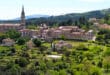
point(48, 34)
point(45, 32)
point(60, 50)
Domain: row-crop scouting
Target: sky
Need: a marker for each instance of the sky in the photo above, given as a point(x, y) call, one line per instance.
point(10, 9)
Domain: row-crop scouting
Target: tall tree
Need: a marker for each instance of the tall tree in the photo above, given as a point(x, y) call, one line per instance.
point(13, 34)
point(37, 42)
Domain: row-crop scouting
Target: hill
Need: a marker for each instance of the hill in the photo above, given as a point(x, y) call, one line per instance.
point(72, 16)
point(37, 19)
point(33, 16)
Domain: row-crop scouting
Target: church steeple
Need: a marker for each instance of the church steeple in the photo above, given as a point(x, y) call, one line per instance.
point(23, 17)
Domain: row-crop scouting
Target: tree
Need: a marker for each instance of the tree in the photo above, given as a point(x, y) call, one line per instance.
point(95, 71)
point(25, 54)
point(62, 37)
point(15, 70)
point(62, 23)
point(42, 48)
point(76, 23)
point(12, 68)
point(89, 55)
point(31, 26)
point(106, 63)
point(2, 36)
point(99, 64)
point(82, 47)
point(82, 20)
point(22, 62)
point(100, 38)
point(62, 72)
point(52, 72)
point(69, 22)
point(106, 17)
point(107, 52)
point(13, 50)
point(21, 41)
point(37, 42)
point(13, 34)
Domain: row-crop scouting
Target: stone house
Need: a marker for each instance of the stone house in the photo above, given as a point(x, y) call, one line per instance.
point(62, 44)
point(28, 33)
point(30, 44)
point(69, 32)
point(8, 42)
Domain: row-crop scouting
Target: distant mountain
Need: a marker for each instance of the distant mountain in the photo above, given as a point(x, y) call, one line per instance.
point(37, 19)
point(33, 16)
point(72, 16)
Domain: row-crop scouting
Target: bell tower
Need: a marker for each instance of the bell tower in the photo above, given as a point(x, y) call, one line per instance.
point(23, 18)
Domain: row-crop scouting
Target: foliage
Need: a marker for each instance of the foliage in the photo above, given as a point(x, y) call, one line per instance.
point(21, 41)
point(107, 52)
point(31, 27)
point(107, 19)
point(106, 64)
point(22, 62)
point(37, 42)
point(103, 36)
point(82, 47)
point(68, 19)
point(62, 37)
point(2, 36)
point(85, 58)
point(95, 71)
point(13, 50)
point(13, 34)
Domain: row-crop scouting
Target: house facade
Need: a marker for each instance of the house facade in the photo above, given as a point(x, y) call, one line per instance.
point(69, 32)
point(8, 42)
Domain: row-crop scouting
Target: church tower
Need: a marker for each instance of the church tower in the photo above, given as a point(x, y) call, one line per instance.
point(23, 18)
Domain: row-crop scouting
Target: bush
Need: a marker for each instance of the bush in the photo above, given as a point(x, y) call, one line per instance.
point(22, 62)
point(37, 42)
point(21, 41)
point(25, 54)
point(107, 52)
point(13, 34)
point(95, 71)
point(82, 47)
point(13, 50)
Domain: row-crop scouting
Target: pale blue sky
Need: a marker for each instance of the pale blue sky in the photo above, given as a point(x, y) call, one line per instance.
point(10, 9)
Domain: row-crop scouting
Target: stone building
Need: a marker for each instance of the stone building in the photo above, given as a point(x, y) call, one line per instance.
point(28, 33)
point(8, 42)
point(62, 44)
point(69, 32)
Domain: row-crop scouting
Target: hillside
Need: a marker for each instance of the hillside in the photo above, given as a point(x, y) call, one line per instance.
point(36, 57)
point(33, 16)
point(62, 18)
